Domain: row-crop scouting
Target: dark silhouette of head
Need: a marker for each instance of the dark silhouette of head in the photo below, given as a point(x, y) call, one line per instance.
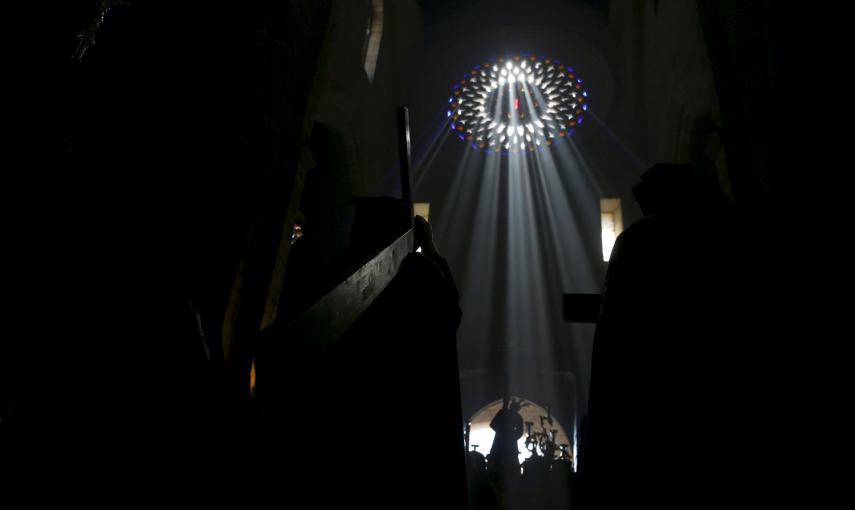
point(662, 187)
point(476, 462)
point(669, 187)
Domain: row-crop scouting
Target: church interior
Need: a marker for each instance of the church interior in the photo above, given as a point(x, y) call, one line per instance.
point(481, 254)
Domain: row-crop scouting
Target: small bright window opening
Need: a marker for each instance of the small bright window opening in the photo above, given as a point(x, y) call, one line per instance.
point(373, 35)
point(611, 220)
point(422, 209)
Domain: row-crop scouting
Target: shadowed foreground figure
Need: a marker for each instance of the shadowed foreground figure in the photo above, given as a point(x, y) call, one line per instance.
point(688, 377)
point(388, 398)
point(410, 332)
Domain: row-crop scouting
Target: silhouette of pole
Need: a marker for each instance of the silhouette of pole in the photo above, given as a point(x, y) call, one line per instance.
point(404, 155)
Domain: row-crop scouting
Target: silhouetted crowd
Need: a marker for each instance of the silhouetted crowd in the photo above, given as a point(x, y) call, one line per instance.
point(691, 376)
point(546, 479)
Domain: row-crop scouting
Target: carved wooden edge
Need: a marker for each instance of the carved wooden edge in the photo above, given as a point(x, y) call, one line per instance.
point(322, 324)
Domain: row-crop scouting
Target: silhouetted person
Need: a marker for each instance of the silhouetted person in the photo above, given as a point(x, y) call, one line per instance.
point(482, 494)
point(404, 349)
point(682, 352)
point(508, 424)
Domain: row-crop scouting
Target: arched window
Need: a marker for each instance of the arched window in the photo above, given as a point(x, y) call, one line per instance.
point(373, 35)
point(537, 420)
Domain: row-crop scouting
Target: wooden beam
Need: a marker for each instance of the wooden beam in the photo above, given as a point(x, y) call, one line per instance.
point(330, 317)
point(322, 324)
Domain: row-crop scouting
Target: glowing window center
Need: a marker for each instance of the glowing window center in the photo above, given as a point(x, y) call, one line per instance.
point(514, 104)
point(517, 104)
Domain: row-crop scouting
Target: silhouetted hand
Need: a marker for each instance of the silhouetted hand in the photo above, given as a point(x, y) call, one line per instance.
point(423, 235)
